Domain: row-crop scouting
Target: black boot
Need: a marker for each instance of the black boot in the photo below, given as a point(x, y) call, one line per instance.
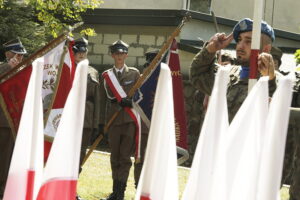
point(113, 195)
point(122, 188)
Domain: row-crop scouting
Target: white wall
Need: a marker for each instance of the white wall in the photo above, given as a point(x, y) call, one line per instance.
point(144, 4)
point(281, 14)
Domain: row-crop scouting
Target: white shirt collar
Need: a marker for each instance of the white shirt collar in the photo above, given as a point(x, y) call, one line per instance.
point(119, 70)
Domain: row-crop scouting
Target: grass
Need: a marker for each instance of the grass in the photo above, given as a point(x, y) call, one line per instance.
point(95, 179)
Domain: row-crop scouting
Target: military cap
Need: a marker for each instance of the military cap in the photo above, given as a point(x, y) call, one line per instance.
point(150, 55)
point(119, 46)
point(246, 24)
point(80, 45)
point(15, 46)
point(276, 54)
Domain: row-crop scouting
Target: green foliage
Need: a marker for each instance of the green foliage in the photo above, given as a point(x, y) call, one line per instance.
point(38, 21)
point(17, 20)
point(297, 56)
point(57, 15)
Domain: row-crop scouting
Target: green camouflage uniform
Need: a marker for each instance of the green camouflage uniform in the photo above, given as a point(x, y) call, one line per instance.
point(295, 126)
point(202, 75)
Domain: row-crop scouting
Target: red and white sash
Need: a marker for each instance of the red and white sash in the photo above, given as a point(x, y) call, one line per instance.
point(117, 90)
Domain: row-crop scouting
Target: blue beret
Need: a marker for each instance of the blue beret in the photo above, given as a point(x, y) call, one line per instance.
point(245, 25)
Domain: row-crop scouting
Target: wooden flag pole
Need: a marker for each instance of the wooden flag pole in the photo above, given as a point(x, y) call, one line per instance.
point(255, 44)
point(140, 81)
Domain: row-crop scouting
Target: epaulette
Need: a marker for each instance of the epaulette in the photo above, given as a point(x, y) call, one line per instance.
point(133, 68)
point(93, 74)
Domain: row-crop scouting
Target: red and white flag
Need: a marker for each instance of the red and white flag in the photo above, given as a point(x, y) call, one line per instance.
point(26, 166)
point(61, 171)
point(215, 125)
point(274, 145)
point(51, 75)
point(159, 178)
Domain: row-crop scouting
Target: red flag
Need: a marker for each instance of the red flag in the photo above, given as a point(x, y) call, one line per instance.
point(13, 92)
point(179, 109)
point(52, 60)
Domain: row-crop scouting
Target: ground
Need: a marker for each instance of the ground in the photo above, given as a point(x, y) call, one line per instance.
point(95, 179)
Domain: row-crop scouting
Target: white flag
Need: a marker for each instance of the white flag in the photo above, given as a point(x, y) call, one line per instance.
point(245, 139)
point(159, 178)
point(26, 166)
point(61, 171)
point(274, 146)
point(199, 185)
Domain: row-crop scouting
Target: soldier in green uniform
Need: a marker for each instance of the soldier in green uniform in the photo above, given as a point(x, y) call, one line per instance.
point(121, 134)
point(294, 123)
point(14, 52)
point(92, 104)
point(202, 72)
point(291, 165)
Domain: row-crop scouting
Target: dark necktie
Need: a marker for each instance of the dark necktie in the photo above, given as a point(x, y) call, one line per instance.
point(119, 75)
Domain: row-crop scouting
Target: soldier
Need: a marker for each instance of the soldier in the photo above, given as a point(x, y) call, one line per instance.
point(203, 65)
point(289, 147)
point(14, 52)
point(276, 54)
point(92, 106)
point(295, 126)
point(121, 134)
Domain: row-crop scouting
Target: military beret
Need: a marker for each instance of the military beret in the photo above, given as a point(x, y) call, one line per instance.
point(246, 24)
point(80, 45)
point(119, 46)
point(15, 46)
point(276, 54)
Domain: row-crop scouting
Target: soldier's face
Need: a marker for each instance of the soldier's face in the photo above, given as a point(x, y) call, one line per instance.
point(243, 48)
point(119, 58)
point(79, 56)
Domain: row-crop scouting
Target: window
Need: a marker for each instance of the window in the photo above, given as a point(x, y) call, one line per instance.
point(199, 5)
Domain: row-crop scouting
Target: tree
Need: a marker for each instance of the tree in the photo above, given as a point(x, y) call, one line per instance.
point(17, 20)
point(38, 21)
point(58, 14)
point(297, 57)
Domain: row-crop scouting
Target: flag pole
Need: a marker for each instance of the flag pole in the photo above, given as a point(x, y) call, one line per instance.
point(255, 44)
point(140, 81)
point(52, 44)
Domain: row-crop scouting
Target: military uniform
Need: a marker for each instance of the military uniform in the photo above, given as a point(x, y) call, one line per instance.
point(121, 133)
point(6, 137)
point(295, 126)
point(6, 141)
point(139, 165)
point(92, 110)
point(202, 75)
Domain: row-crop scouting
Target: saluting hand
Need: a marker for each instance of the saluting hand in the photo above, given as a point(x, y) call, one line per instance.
point(266, 65)
point(219, 41)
